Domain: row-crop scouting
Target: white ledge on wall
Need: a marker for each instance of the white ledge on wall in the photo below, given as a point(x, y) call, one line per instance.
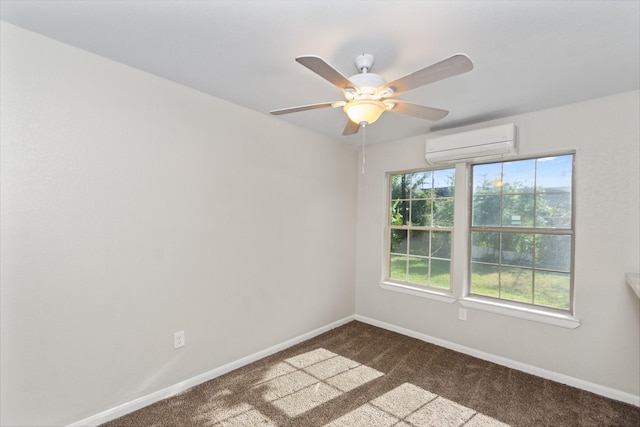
point(633, 279)
point(536, 315)
point(422, 293)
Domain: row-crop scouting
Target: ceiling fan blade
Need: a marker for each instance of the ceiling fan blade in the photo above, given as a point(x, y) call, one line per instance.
point(419, 111)
point(351, 128)
point(449, 67)
point(326, 71)
point(302, 108)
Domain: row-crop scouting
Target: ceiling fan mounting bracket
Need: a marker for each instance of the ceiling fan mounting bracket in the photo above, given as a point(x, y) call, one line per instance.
point(364, 62)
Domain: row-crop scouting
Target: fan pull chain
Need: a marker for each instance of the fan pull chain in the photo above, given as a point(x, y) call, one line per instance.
point(364, 135)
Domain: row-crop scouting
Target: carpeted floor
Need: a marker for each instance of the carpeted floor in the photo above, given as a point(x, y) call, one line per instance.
point(361, 375)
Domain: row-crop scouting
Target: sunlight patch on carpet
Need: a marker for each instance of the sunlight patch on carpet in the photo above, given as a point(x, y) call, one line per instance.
point(365, 415)
point(320, 376)
point(409, 405)
point(354, 378)
point(403, 400)
point(304, 382)
point(249, 418)
point(286, 385)
point(331, 367)
point(310, 358)
point(306, 399)
point(443, 412)
point(278, 370)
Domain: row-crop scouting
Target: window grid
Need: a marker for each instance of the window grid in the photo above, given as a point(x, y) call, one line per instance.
point(536, 233)
point(415, 212)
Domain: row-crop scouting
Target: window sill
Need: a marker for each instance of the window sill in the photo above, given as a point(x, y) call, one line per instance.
point(536, 315)
point(423, 293)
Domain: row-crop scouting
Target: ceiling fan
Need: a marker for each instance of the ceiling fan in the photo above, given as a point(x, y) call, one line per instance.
point(368, 95)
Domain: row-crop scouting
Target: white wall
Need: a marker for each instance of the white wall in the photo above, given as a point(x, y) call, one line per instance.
point(605, 349)
point(132, 208)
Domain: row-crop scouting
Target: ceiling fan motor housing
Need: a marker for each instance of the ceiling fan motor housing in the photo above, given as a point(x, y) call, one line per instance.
point(367, 82)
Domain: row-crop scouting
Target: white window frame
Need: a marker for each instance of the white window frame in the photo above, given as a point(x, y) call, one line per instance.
point(460, 255)
point(558, 317)
point(424, 291)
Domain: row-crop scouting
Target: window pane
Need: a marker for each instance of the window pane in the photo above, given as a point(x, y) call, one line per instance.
point(441, 244)
point(421, 185)
point(444, 183)
point(424, 200)
point(486, 211)
point(532, 268)
point(554, 174)
point(552, 289)
point(399, 241)
point(485, 280)
point(518, 176)
point(553, 252)
point(517, 210)
point(400, 185)
point(553, 210)
point(418, 270)
point(398, 267)
point(419, 243)
point(399, 214)
point(485, 247)
point(440, 276)
point(516, 284)
point(421, 212)
point(443, 212)
point(487, 179)
point(517, 249)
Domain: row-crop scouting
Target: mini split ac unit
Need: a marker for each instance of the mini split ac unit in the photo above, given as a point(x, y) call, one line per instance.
point(493, 142)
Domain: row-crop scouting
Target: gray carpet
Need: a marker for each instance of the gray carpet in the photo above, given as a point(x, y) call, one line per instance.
point(361, 375)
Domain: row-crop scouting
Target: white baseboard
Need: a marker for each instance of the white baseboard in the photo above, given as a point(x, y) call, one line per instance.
point(530, 369)
point(149, 399)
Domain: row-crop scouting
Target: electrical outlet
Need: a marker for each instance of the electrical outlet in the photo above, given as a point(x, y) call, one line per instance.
point(462, 314)
point(178, 339)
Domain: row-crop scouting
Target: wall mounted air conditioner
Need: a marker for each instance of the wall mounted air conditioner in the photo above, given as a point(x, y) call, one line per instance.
point(481, 144)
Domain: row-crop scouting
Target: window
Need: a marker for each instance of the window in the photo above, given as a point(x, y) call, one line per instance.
point(419, 229)
point(521, 232)
point(514, 253)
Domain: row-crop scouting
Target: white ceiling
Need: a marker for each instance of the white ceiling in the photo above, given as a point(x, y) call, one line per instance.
point(528, 55)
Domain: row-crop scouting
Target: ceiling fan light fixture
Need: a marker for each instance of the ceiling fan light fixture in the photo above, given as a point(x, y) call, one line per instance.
point(364, 110)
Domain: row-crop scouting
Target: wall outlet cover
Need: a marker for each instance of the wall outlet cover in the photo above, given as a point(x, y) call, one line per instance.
point(179, 339)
